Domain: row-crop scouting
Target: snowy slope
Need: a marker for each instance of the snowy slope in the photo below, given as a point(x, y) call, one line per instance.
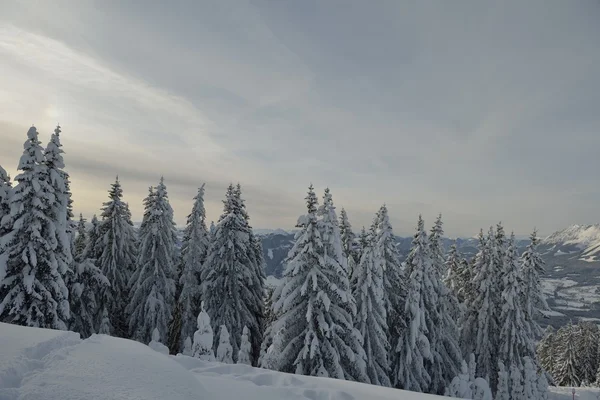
point(38, 364)
point(581, 236)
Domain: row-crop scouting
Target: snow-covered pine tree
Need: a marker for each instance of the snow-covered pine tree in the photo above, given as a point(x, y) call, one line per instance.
point(193, 254)
point(546, 350)
point(105, 325)
point(187, 347)
point(81, 239)
point(480, 331)
point(231, 278)
point(57, 179)
point(566, 371)
point(224, 350)
point(32, 291)
point(386, 254)
point(467, 292)
point(156, 344)
point(371, 318)
point(203, 338)
point(530, 378)
point(352, 358)
point(152, 283)
point(446, 348)
point(532, 267)
point(87, 286)
point(502, 390)
point(312, 307)
point(517, 392)
point(348, 242)
point(271, 357)
point(116, 248)
point(412, 374)
point(453, 265)
point(514, 341)
point(461, 385)
point(5, 193)
point(212, 228)
point(500, 252)
point(587, 350)
point(245, 354)
point(542, 386)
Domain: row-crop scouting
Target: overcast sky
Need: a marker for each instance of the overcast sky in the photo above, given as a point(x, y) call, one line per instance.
point(481, 110)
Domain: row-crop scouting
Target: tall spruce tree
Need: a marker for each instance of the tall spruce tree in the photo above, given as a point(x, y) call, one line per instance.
point(312, 304)
point(81, 240)
point(117, 252)
point(387, 256)
point(514, 340)
point(371, 319)
point(546, 350)
point(348, 242)
point(453, 265)
point(446, 351)
point(412, 373)
point(193, 254)
point(587, 350)
point(33, 291)
point(566, 371)
point(532, 267)
point(231, 289)
point(153, 284)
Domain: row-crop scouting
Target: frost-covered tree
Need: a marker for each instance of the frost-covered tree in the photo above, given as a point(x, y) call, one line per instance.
point(546, 350)
point(502, 390)
point(348, 242)
point(105, 325)
point(193, 254)
point(530, 378)
point(517, 392)
point(152, 284)
point(566, 371)
point(271, 357)
point(32, 289)
point(5, 193)
point(514, 340)
point(542, 387)
point(461, 385)
point(81, 239)
point(315, 308)
point(224, 350)
point(245, 354)
point(412, 374)
point(203, 338)
point(371, 318)
point(532, 267)
point(187, 347)
point(86, 288)
point(156, 344)
point(587, 337)
point(231, 278)
point(446, 350)
point(480, 332)
point(453, 266)
point(116, 247)
point(59, 207)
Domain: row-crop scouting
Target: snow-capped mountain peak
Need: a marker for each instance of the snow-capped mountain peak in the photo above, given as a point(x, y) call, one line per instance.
point(582, 236)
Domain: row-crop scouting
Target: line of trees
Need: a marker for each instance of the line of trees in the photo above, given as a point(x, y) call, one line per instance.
point(346, 308)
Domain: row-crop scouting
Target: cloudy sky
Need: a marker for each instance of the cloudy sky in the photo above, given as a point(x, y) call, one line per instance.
point(481, 110)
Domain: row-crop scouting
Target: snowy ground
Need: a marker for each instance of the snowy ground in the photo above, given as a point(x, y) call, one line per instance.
point(566, 393)
point(39, 364)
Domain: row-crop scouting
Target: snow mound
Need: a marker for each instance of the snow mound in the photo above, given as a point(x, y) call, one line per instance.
point(54, 365)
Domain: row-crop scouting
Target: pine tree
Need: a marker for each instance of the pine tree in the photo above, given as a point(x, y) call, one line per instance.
point(81, 239)
point(193, 254)
point(371, 319)
point(116, 249)
point(5, 194)
point(445, 343)
point(32, 291)
point(203, 338)
point(530, 378)
point(152, 284)
point(500, 252)
point(59, 208)
point(245, 354)
point(313, 305)
point(224, 350)
point(532, 267)
point(546, 350)
point(348, 242)
point(386, 255)
point(566, 371)
point(461, 385)
point(271, 358)
point(232, 277)
point(542, 387)
point(514, 341)
point(587, 337)
point(502, 391)
point(87, 285)
point(187, 347)
point(156, 343)
point(480, 332)
point(517, 392)
point(416, 347)
point(454, 265)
